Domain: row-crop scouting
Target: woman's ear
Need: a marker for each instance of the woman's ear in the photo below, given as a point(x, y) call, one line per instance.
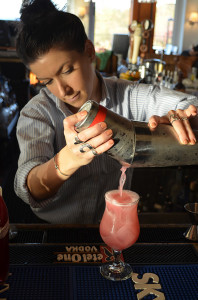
point(90, 50)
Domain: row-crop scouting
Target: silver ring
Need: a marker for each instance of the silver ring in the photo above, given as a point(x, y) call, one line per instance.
point(95, 153)
point(184, 118)
point(174, 118)
point(85, 145)
point(77, 140)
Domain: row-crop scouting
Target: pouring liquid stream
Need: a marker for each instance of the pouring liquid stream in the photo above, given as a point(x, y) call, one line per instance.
point(122, 180)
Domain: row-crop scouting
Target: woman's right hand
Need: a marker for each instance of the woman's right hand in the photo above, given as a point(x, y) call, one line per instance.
point(98, 138)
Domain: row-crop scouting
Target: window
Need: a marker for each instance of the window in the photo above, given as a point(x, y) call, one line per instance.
point(164, 23)
point(111, 17)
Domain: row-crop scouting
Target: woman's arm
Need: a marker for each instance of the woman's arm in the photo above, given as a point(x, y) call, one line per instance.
point(182, 120)
point(44, 180)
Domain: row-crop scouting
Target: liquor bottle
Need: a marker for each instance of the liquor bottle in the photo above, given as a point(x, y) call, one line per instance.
point(180, 86)
point(4, 240)
point(142, 71)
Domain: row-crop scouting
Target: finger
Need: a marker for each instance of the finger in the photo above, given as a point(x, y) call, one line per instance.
point(70, 121)
point(92, 132)
point(101, 138)
point(87, 151)
point(105, 146)
point(185, 130)
point(178, 125)
point(155, 120)
point(190, 133)
point(191, 111)
point(69, 124)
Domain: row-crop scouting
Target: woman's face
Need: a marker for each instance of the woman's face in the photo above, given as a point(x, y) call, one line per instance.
point(69, 75)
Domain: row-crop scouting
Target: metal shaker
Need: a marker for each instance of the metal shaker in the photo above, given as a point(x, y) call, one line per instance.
point(135, 144)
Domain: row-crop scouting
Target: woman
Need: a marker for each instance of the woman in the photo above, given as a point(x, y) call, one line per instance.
point(58, 181)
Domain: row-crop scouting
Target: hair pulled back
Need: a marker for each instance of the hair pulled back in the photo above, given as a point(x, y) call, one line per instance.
point(43, 27)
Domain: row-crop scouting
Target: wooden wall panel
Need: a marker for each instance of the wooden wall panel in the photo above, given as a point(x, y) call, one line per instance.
point(142, 11)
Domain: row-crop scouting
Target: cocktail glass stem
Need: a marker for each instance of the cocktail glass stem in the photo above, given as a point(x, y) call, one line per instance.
point(117, 270)
point(117, 266)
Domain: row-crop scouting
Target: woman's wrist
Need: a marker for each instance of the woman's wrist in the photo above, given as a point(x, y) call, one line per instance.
point(63, 163)
point(57, 167)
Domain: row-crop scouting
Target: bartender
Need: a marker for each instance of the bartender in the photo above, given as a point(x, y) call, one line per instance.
point(62, 179)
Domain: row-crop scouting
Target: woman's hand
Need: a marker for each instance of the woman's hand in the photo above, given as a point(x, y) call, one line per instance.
point(180, 120)
point(90, 142)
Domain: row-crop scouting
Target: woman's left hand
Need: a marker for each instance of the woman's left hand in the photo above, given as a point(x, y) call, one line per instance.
point(180, 120)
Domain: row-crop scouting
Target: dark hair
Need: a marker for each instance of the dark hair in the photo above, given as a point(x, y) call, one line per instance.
point(43, 27)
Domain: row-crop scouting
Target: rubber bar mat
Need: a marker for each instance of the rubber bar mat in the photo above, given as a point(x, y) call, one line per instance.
point(86, 283)
point(137, 254)
point(91, 235)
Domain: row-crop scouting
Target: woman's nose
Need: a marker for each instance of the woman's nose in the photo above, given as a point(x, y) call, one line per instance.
point(62, 88)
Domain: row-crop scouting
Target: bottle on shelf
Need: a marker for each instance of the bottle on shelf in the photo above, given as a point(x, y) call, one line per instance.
point(4, 240)
point(167, 79)
point(142, 71)
point(179, 86)
point(162, 83)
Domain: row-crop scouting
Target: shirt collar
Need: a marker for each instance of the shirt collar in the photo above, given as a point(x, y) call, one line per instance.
point(105, 93)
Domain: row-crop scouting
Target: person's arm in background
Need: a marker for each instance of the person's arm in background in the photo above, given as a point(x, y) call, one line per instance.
point(194, 51)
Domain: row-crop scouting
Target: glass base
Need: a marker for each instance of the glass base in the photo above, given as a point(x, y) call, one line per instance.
point(116, 272)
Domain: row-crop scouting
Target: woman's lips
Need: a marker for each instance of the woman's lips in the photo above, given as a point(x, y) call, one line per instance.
point(74, 97)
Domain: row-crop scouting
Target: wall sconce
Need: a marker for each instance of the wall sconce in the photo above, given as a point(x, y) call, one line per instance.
point(82, 11)
point(193, 18)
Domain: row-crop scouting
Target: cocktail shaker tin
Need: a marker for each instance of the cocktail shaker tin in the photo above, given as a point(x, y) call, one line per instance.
point(135, 144)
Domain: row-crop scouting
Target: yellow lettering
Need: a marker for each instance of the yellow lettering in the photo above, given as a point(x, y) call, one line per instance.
point(149, 289)
point(5, 288)
point(75, 249)
point(87, 248)
point(100, 256)
point(81, 248)
point(94, 249)
point(84, 257)
point(68, 249)
point(59, 257)
point(76, 257)
point(145, 278)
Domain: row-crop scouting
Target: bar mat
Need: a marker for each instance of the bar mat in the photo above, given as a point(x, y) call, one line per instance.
point(72, 254)
point(28, 236)
point(86, 283)
point(162, 235)
point(91, 235)
point(176, 282)
point(161, 254)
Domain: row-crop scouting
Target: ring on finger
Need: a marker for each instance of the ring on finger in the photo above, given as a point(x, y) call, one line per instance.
point(85, 145)
point(184, 118)
point(77, 140)
point(95, 153)
point(173, 118)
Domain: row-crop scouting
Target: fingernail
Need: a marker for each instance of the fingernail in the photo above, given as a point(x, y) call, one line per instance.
point(111, 142)
point(109, 132)
point(185, 142)
point(103, 125)
point(193, 142)
point(83, 113)
point(153, 124)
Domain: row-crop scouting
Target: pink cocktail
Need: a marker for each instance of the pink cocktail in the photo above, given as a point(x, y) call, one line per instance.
point(119, 229)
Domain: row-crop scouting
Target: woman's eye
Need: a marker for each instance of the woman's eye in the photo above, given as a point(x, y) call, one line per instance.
point(68, 71)
point(44, 83)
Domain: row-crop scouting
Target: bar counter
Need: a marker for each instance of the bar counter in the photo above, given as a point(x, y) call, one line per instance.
point(62, 262)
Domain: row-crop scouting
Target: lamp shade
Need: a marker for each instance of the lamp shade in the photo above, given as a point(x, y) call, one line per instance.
point(193, 17)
